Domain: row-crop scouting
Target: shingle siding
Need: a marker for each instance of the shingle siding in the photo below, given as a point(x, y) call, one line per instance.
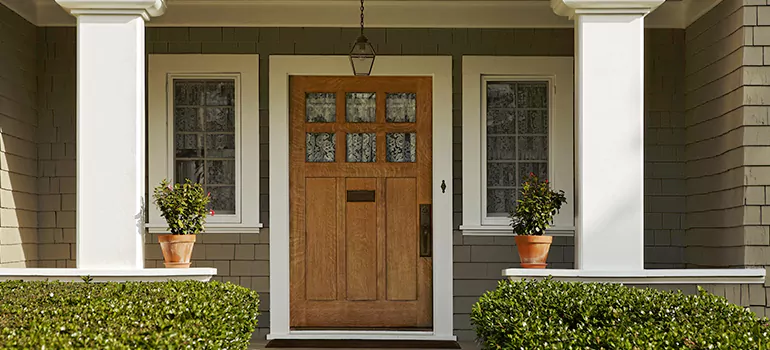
point(727, 152)
point(18, 152)
point(664, 149)
point(56, 146)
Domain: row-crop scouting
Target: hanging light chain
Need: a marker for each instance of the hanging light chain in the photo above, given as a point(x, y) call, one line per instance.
point(362, 17)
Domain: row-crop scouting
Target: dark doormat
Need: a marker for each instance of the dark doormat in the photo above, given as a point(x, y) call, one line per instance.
point(363, 344)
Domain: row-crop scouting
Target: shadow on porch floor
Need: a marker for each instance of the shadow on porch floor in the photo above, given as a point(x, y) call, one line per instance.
point(260, 345)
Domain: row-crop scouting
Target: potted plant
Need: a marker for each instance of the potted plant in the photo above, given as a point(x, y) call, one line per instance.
point(534, 213)
point(184, 208)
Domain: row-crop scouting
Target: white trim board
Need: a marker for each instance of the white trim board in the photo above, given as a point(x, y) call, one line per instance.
point(202, 274)
point(244, 69)
point(558, 71)
point(437, 67)
point(656, 276)
point(380, 13)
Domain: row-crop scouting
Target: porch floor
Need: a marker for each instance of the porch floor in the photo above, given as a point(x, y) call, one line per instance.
point(260, 345)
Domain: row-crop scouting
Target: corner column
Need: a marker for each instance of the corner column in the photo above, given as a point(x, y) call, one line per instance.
point(111, 130)
point(609, 131)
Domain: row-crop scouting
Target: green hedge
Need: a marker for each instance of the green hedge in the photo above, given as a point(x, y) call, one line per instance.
point(566, 315)
point(133, 315)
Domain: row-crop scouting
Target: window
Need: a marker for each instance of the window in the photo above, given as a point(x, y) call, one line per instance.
point(517, 119)
point(516, 139)
point(204, 137)
point(203, 126)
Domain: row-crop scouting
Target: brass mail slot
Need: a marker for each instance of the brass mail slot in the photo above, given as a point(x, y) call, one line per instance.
point(360, 196)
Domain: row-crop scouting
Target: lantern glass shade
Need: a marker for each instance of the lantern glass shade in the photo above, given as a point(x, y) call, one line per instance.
point(362, 57)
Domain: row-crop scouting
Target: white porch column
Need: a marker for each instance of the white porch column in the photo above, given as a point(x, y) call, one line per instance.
point(609, 131)
point(111, 130)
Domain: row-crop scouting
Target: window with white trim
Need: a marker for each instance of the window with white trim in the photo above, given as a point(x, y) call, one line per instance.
point(517, 119)
point(203, 126)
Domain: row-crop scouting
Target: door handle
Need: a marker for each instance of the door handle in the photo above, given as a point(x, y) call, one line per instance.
point(426, 231)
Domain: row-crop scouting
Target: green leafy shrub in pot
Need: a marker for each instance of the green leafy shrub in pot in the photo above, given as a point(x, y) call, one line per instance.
point(183, 206)
point(536, 208)
point(548, 314)
point(132, 315)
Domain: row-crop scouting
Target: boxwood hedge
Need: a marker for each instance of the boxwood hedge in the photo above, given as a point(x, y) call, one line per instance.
point(548, 314)
point(133, 315)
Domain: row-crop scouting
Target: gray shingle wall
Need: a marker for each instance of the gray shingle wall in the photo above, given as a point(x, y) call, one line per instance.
point(18, 154)
point(664, 198)
point(242, 258)
point(56, 146)
point(727, 144)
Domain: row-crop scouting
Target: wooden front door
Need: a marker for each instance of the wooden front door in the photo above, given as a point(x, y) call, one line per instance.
point(360, 177)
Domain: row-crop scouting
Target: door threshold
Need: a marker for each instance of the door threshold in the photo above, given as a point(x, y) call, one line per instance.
point(362, 344)
point(352, 335)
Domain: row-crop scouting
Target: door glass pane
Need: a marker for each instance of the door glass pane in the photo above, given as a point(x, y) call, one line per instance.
point(204, 137)
point(401, 108)
point(320, 107)
point(320, 147)
point(517, 140)
point(361, 148)
point(402, 147)
point(360, 107)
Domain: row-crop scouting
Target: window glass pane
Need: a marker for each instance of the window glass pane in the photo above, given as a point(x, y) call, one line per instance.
point(204, 138)
point(320, 107)
point(361, 148)
point(222, 197)
point(401, 108)
point(360, 107)
point(219, 118)
point(517, 140)
point(402, 147)
point(319, 147)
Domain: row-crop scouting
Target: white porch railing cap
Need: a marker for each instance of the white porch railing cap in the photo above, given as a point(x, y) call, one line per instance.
point(569, 8)
point(145, 8)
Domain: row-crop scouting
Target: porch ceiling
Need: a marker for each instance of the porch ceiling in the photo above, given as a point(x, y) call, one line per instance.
point(379, 13)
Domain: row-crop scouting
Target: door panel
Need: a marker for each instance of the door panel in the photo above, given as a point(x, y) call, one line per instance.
point(401, 213)
point(321, 216)
point(361, 241)
point(360, 168)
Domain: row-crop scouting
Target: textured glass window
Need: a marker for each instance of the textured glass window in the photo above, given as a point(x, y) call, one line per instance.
point(517, 140)
point(361, 148)
point(402, 147)
point(320, 147)
point(321, 107)
point(401, 108)
point(204, 138)
point(361, 107)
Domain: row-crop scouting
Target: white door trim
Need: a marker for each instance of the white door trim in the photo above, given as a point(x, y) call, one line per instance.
point(437, 67)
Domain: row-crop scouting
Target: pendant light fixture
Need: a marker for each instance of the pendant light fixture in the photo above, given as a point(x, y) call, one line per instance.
point(362, 55)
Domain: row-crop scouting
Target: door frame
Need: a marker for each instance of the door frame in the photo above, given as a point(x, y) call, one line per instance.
point(439, 68)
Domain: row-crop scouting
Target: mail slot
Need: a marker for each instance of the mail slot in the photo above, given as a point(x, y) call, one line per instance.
point(360, 196)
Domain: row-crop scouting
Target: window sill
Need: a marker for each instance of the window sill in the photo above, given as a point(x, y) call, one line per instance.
point(499, 230)
point(210, 228)
point(661, 276)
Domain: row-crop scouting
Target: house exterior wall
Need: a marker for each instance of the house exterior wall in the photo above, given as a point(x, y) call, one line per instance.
point(56, 147)
point(727, 136)
point(18, 153)
point(243, 258)
point(664, 194)
point(728, 141)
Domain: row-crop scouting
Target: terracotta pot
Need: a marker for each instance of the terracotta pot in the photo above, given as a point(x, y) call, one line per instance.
point(533, 250)
point(177, 250)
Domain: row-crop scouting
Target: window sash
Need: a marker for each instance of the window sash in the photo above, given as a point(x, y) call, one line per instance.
point(171, 149)
point(499, 219)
